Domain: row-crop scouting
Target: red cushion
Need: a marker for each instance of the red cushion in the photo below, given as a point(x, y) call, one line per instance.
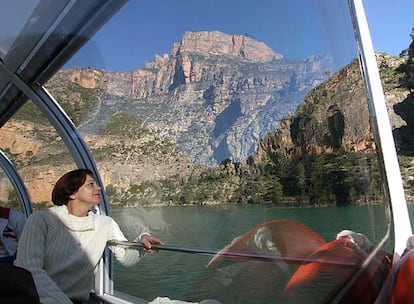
point(319, 282)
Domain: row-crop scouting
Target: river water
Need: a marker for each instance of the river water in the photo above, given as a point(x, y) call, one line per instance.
point(184, 276)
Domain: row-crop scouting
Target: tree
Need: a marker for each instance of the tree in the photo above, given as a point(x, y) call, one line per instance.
point(409, 66)
point(277, 191)
point(320, 190)
point(300, 179)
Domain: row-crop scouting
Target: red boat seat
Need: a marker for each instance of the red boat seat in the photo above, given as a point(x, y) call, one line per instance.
point(237, 279)
point(320, 281)
point(399, 287)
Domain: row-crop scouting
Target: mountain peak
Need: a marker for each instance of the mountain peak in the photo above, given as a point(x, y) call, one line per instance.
point(218, 43)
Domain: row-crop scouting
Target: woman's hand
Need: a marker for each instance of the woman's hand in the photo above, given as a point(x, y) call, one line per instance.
point(149, 240)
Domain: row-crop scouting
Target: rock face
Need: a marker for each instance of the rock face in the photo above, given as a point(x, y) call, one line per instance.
point(217, 43)
point(123, 161)
point(328, 120)
point(16, 142)
point(218, 93)
point(177, 68)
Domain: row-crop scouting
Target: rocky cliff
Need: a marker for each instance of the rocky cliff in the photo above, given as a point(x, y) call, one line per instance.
point(218, 93)
point(327, 121)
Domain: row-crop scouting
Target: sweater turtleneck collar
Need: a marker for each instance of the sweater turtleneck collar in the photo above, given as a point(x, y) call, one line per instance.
point(74, 223)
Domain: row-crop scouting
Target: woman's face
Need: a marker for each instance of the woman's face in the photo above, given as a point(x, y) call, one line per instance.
point(88, 193)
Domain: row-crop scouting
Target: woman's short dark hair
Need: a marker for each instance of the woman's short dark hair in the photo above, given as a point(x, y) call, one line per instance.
point(68, 184)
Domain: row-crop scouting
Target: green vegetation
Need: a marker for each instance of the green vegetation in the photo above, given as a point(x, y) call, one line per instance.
point(147, 193)
point(390, 78)
point(125, 125)
point(76, 100)
point(53, 159)
point(316, 180)
point(31, 113)
point(408, 67)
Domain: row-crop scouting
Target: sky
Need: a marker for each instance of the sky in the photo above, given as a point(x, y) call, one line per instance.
point(390, 24)
point(163, 22)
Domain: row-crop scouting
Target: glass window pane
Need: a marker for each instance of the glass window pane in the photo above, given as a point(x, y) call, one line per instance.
point(8, 196)
point(12, 21)
point(241, 137)
point(37, 151)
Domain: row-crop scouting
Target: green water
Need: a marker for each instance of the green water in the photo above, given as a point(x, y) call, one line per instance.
point(183, 276)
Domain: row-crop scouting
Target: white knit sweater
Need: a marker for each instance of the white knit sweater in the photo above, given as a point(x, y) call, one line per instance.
point(62, 252)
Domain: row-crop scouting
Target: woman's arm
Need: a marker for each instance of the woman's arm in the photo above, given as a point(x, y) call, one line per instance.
point(126, 256)
point(148, 240)
point(31, 253)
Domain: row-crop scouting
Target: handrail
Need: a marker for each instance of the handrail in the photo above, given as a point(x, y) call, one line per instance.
point(261, 256)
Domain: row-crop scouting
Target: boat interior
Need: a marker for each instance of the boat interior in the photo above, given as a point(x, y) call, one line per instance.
point(39, 39)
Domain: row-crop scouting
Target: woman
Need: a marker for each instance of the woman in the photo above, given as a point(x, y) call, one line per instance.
point(61, 247)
